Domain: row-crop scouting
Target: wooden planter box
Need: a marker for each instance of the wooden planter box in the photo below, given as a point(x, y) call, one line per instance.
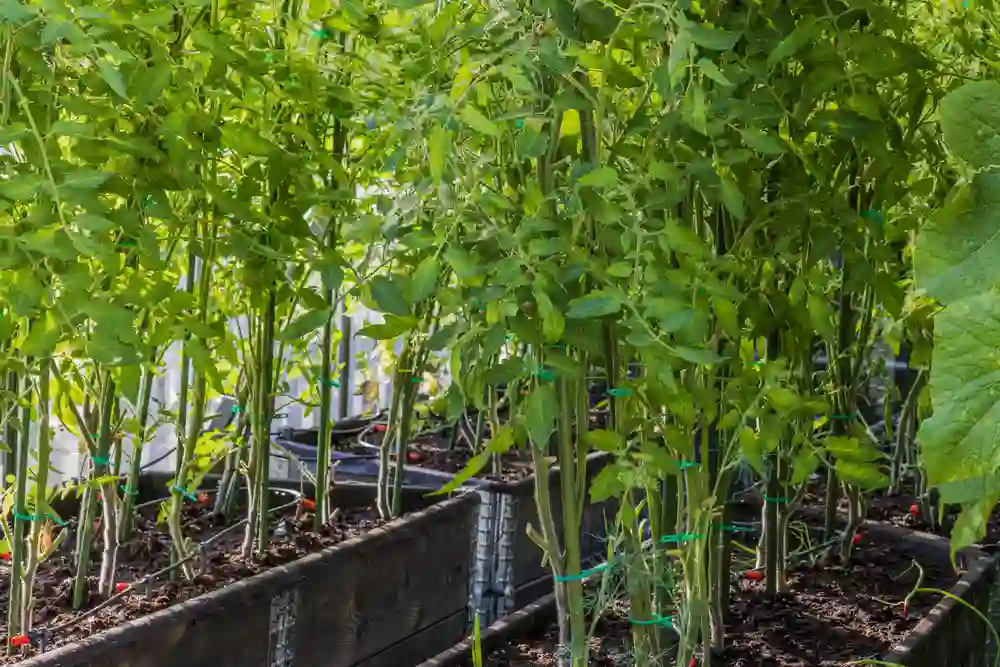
point(391, 597)
point(508, 572)
point(951, 635)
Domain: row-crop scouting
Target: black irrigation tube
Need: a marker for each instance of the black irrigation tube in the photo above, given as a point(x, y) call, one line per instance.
point(42, 634)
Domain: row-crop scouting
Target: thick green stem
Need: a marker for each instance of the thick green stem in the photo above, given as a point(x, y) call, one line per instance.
point(100, 470)
point(20, 511)
point(38, 524)
point(323, 446)
point(131, 488)
point(571, 515)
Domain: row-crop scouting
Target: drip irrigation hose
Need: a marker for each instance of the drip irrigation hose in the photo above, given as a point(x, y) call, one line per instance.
point(45, 631)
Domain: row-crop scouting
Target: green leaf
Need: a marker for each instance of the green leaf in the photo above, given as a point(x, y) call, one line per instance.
point(498, 444)
point(475, 119)
point(604, 440)
point(438, 146)
point(331, 268)
point(790, 45)
point(970, 527)
point(424, 279)
point(393, 327)
point(970, 120)
point(602, 177)
point(541, 412)
point(305, 324)
point(696, 355)
point(863, 474)
point(388, 296)
point(712, 71)
point(958, 248)
point(732, 198)
point(595, 304)
point(86, 179)
point(42, 338)
point(708, 37)
point(12, 133)
point(762, 142)
point(93, 223)
point(959, 440)
point(113, 78)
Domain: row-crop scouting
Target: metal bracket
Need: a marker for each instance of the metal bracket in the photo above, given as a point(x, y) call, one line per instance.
point(281, 643)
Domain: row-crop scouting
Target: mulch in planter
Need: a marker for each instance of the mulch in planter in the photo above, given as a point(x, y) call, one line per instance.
point(149, 550)
point(830, 616)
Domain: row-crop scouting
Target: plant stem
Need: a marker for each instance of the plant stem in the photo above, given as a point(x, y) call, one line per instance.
point(131, 489)
point(20, 510)
point(109, 492)
point(38, 524)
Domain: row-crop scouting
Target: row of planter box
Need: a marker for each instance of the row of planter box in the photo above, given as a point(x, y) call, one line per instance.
point(404, 593)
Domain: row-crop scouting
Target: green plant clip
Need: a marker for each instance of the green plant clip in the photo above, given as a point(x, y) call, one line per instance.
point(333, 383)
point(584, 574)
point(184, 492)
point(416, 380)
point(237, 409)
point(38, 517)
point(323, 33)
point(779, 500)
point(619, 392)
point(874, 216)
point(687, 465)
point(100, 460)
point(848, 416)
point(655, 620)
point(680, 538)
point(545, 375)
point(128, 490)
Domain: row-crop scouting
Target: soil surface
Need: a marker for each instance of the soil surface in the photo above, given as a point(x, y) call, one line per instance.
point(829, 616)
point(148, 551)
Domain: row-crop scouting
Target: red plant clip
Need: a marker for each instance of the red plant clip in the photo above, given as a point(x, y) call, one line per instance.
point(203, 498)
point(693, 663)
point(906, 610)
point(5, 556)
point(20, 640)
point(413, 457)
point(308, 504)
point(754, 575)
point(856, 540)
point(914, 510)
point(380, 428)
point(120, 586)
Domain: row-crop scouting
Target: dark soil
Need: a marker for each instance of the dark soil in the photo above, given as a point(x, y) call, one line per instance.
point(511, 466)
point(148, 551)
point(830, 615)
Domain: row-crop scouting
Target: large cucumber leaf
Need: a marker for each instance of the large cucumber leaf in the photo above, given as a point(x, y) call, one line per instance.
point(957, 262)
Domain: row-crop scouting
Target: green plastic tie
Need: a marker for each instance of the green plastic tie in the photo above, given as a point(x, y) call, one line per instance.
point(56, 520)
point(128, 490)
point(584, 574)
point(874, 216)
point(777, 500)
point(848, 416)
point(687, 465)
point(334, 383)
point(28, 517)
point(416, 380)
point(545, 375)
point(619, 392)
point(324, 33)
point(679, 538)
point(100, 460)
point(187, 494)
point(730, 528)
point(237, 409)
point(655, 620)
